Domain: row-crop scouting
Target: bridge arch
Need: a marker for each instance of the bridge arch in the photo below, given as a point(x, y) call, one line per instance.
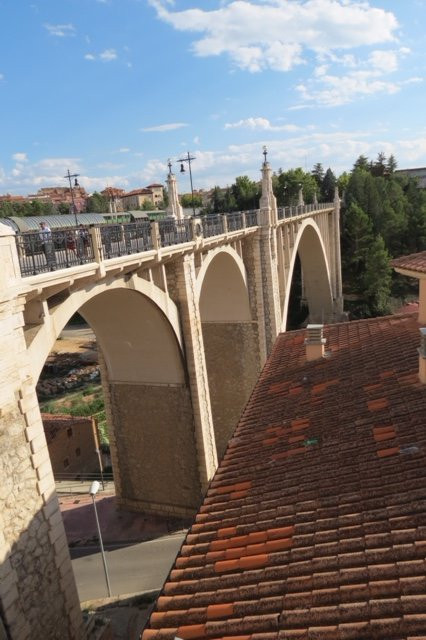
point(230, 336)
point(82, 299)
point(146, 391)
point(316, 274)
point(222, 287)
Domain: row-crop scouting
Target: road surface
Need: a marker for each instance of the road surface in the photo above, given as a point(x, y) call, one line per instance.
point(132, 569)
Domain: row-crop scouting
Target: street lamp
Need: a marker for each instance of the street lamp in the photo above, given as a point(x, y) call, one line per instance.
point(69, 176)
point(94, 488)
point(188, 159)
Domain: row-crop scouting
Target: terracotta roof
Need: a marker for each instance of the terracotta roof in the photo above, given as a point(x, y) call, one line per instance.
point(412, 262)
point(155, 185)
point(136, 192)
point(314, 526)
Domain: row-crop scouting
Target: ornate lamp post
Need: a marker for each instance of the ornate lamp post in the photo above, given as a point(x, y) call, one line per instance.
point(69, 176)
point(188, 158)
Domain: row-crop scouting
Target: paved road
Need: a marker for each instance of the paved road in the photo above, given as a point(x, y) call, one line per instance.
point(138, 567)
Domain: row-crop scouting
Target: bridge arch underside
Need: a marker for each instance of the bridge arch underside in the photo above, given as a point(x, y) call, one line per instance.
point(148, 404)
point(315, 276)
point(231, 340)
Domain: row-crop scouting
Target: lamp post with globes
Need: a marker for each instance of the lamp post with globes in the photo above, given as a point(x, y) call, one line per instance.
point(75, 176)
point(188, 158)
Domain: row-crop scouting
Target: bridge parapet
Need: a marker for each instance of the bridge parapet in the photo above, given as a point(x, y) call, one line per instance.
point(68, 248)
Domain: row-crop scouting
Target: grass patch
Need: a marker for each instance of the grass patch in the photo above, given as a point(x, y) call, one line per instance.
point(85, 402)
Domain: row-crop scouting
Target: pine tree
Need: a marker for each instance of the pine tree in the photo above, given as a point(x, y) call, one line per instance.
point(378, 277)
point(328, 186)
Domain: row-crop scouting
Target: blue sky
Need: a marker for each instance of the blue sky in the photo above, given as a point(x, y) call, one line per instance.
point(112, 88)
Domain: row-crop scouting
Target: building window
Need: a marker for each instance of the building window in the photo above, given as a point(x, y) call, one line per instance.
point(69, 432)
point(78, 452)
point(66, 463)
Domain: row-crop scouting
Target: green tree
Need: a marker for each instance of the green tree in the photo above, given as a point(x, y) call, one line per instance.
point(357, 238)
point(361, 163)
point(97, 203)
point(378, 277)
point(391, 164)
point(318, 173)
point(246, 193)
point(286, 189)
point(328, 186)
point(186, 200)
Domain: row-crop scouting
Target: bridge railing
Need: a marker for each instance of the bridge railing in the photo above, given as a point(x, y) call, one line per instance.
point(298, 210)
point(175, 232)
point(61, 249)
point(40, 251)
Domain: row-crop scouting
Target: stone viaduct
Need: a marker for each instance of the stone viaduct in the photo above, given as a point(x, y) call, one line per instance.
point(183, 328)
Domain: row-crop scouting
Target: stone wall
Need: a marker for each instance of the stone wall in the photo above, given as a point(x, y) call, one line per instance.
point(155, 447)
point(233, 367)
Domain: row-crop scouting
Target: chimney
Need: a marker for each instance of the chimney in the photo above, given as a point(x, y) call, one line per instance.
point(314, 342)
point(422, 356)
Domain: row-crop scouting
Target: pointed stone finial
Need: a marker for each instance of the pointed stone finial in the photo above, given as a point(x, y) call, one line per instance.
point(300, 200)
point(268, 202)
point(174, 208)
point(315, 198)
point(336, 194)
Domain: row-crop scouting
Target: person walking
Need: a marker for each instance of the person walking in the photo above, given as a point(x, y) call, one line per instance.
point(45, 236)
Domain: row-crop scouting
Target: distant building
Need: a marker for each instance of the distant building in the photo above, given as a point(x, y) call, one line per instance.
point(157, 193)
point(138, 197)
point(72, 442)
point(114, 195)
point(62, 195)
point(419, 173)
point(10, 198)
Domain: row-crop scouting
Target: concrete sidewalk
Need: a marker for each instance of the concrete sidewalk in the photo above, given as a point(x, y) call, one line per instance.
point(116, 525)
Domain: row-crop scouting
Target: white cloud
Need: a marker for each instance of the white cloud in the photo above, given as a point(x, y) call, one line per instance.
point(124, 150)
point(262, 34)
point(108, 55)
point(60, 30)
point(166, 127)
point(357, 79)
point(104, 56)
point(260, 123)
point(1, 77)
point(20, 157)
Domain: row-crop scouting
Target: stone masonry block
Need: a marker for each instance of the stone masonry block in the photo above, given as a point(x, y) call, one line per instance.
point(38, 443)
point(57, 532)
point(34, 430)
point(47, 483)
point(51, 507)
point(41, 456)
point(28, 403)
point(44, 469)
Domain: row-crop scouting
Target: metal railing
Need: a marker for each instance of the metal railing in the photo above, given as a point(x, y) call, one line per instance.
point(235, 221)
point(40, 252)
point(212, 225)
point(251, 218)
point(125, 239)
point(301, 209)
point(174, 232)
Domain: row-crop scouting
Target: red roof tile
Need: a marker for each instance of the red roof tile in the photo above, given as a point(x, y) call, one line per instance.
point(314, 525)
point(412, 262)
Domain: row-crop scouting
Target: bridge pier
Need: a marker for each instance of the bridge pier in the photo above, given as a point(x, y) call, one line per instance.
point(38, 596)
point(233, 367)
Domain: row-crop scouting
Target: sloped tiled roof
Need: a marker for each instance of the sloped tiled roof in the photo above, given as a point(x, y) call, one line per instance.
point(314, 526)
point(412, 262)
